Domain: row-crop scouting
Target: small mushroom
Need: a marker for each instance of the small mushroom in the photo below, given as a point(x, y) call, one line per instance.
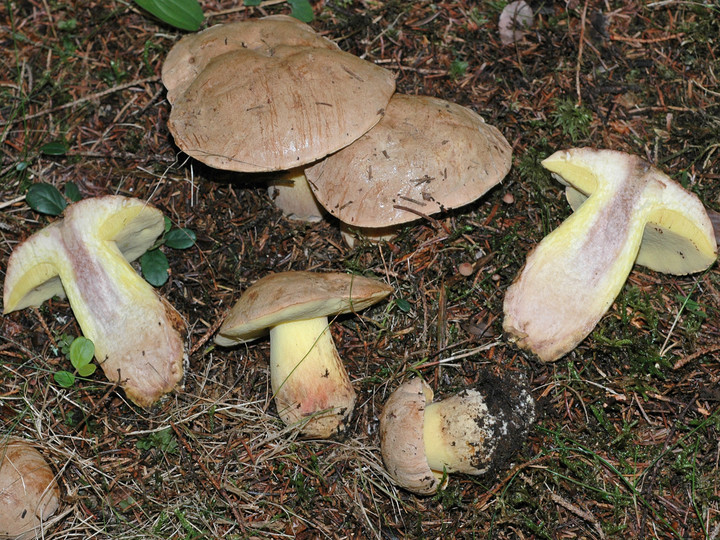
point(470, 432)
point(626, 212)
point(29, 494)
point(308, 379)
point(426, 155)
point(84, 256)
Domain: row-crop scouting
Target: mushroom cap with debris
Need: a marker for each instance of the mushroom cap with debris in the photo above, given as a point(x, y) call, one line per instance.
point(254, 111)
point(426, 154)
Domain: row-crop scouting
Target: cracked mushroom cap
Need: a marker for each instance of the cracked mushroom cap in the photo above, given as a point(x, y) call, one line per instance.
point(191, 54)
point(292, 296)
point(251, 111)
point(29, 494)
point(425, 154)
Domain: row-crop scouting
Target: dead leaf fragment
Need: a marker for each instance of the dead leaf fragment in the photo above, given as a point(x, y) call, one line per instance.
point(514, 20)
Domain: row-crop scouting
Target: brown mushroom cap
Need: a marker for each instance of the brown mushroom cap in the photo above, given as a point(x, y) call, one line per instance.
point(250, 111)
point(289, 296)
point(29, 494)
point(191, 54)
point(401, 437)
point(425, 154)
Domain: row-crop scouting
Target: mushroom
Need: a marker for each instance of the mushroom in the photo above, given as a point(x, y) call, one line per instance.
point(470, 432)
point(626, 212)
point(308, 379)
point(280, 102)
point(426, 155)
point(291, 192)
point(29, 494)
point(137, 334)
point(189, 56)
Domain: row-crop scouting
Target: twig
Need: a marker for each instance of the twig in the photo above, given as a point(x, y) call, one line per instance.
point(580, 53)
point(690, 357)
point(587, 516)
point(209, 332)
point(96, 95)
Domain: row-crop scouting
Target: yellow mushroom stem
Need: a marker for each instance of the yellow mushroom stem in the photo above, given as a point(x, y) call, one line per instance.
point(457, 436)
point(308, 377)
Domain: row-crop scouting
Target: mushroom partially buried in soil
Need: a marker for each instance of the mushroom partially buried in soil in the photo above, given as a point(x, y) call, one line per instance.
point(626, 212)
point(84, 256)
point(308, 378)
point(29, 494)
point(273, 103)
point(471, 432)
point(425, 156)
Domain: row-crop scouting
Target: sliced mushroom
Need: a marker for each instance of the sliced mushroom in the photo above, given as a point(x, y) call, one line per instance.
point(626, 211)
point(308, 379)
point(137, 334)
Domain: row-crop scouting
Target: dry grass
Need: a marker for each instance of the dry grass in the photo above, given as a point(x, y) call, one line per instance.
point(627, 444)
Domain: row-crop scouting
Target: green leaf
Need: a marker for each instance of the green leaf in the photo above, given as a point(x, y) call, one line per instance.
point(46, 199)
point(403, 305)
point(55, 148)
point(301, 10)
point(154, 265)
point(86, 370)
point(72, 192)
point(180, 238)
point(183, 14)
point(252, 3)
point(168, 224)
point(82, 351)
point(64, 378)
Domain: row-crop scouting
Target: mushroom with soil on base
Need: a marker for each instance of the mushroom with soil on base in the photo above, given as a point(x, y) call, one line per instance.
point(626, 212)
point(29, 494)
point(84, 256)
point(425, 156)
point(421, 441)
point(273, 104)
point(308, 379)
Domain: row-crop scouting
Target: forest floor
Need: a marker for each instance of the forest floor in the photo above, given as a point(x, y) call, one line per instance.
point(627, 439)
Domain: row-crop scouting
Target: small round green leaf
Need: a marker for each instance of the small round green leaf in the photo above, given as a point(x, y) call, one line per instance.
point(180, 238)
point(403, 305)
point(82, 351)
point(155, 266)
point(86, 370)
point(72, 192)
point(46, 199)
point(301, 10)
point(251, 3)
point(64, 378)
point(183, 14)
point(55, 148)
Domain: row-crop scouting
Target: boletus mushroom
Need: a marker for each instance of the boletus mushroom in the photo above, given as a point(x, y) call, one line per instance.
point(626, 212)
point(424, 156)
point(308, 378)
point(470, 432)
point(84, 256)
point(270, 95)
point(29, 494)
